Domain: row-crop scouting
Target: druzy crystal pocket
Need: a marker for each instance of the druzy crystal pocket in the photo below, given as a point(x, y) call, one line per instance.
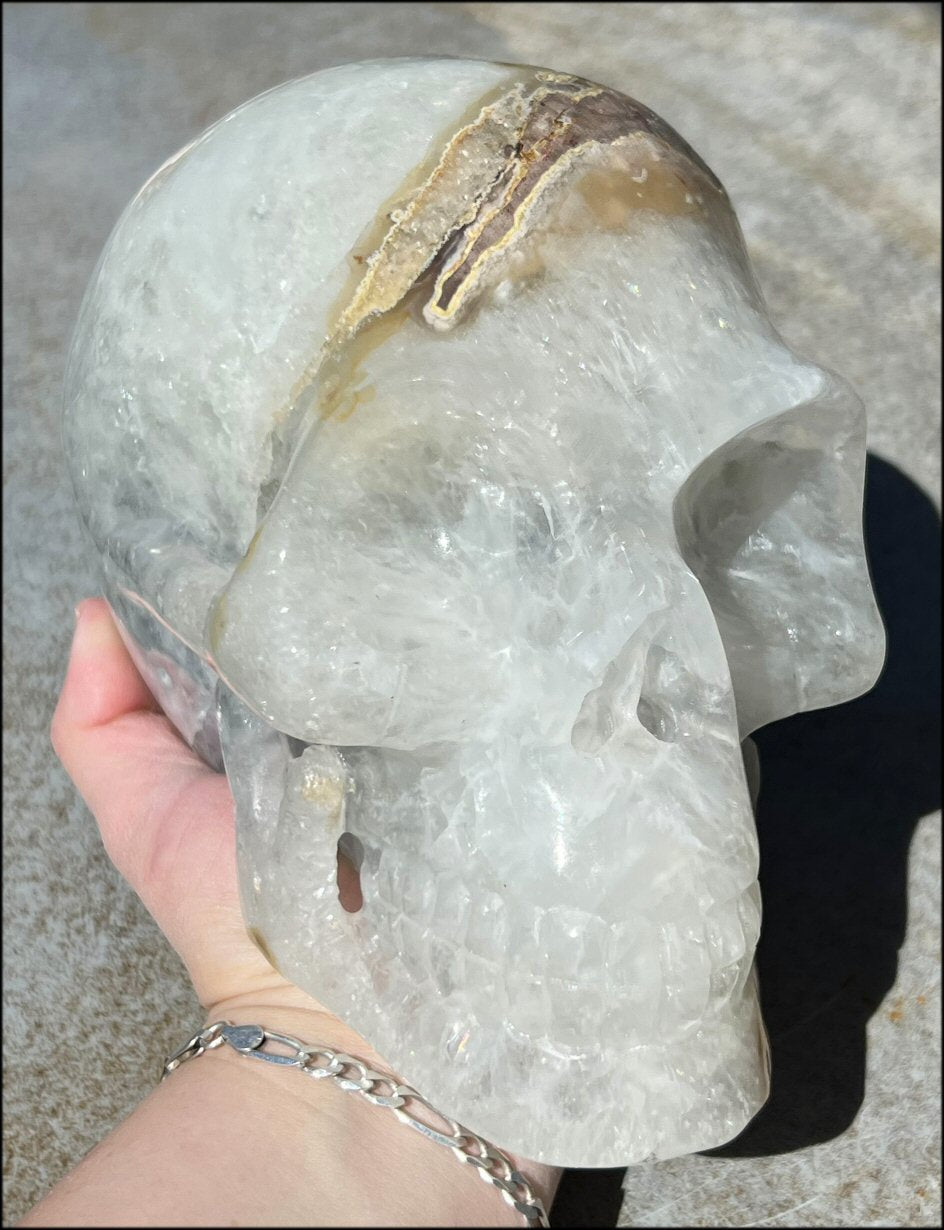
point(455, 493)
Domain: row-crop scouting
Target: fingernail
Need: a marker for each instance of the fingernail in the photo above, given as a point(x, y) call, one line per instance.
point(80, 608)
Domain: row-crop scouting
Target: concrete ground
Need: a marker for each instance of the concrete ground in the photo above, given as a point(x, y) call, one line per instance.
point(823, 122)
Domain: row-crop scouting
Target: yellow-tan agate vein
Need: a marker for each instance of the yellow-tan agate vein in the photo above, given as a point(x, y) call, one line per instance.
point(482, 195)
point(448, 232)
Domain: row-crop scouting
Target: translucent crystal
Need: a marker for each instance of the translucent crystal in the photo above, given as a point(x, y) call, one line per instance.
point(454, 489)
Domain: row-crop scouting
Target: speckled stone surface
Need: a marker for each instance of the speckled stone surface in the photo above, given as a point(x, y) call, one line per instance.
point(830, 152)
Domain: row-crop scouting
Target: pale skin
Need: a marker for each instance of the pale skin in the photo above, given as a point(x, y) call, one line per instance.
point(226, 1141)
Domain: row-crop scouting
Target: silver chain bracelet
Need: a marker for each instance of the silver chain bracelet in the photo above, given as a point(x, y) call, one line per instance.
point(354, 1076)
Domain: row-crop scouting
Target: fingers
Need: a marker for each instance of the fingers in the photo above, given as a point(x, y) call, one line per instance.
point(140, 780)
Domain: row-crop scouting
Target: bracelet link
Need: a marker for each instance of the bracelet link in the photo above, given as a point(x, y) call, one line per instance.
point(354, 1076)
point(249, 1040)
point(207, 1039)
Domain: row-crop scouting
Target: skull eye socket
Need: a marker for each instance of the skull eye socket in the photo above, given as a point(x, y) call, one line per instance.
point(770, 524)
point(741, 521)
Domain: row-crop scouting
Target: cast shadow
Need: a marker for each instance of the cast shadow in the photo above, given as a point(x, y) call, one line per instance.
point(588, 1198)
point(841, 792)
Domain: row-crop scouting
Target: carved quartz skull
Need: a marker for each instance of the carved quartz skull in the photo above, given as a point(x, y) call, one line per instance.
point(454, 490)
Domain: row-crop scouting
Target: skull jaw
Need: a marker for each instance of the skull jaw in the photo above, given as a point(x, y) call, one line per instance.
point(425, 973)
point(480, 1043)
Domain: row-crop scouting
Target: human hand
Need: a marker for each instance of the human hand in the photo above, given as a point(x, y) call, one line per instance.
point(167, 824)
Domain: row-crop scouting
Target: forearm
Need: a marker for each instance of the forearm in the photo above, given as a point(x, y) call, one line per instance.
point(228, 1141)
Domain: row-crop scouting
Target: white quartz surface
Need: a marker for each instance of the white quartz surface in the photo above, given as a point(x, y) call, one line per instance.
point(830, 155)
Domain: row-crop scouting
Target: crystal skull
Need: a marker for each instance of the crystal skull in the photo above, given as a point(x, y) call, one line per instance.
point(454, 491)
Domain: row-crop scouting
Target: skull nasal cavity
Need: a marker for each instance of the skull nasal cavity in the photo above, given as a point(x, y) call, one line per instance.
point(665, 687)
point(646, 686)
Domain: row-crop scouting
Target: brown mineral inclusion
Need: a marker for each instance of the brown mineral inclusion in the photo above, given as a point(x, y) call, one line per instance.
point(499, 174)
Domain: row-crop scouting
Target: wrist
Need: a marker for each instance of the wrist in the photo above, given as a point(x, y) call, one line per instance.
point(289, 1011)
